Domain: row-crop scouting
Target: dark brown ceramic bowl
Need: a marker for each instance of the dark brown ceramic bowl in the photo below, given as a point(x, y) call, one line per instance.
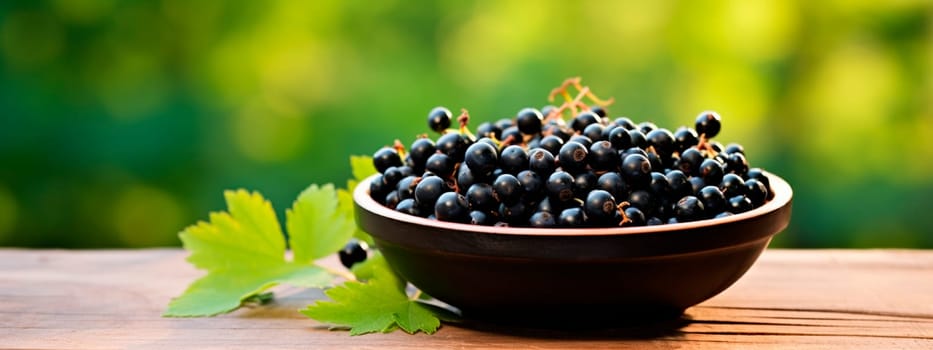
point(539, 275)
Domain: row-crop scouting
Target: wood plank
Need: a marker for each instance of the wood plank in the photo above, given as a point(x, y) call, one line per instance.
point(874, 299)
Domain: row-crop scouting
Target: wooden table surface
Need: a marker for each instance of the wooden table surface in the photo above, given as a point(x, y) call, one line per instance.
point(874, 299)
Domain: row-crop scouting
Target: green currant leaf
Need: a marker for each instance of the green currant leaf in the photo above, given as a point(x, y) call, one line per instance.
point(362, 167)
point(318, 223)
point(377, 305)
point(243, 250)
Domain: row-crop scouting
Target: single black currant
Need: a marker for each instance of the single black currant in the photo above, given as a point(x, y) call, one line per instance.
point(529, 121)
point(689, 209)
point(739, 204)
point(513, 159)
point(613, 183)
point(440, 164)
point(542, 219)
point(572, 157)
point(386, 157)
point(584, 119)
point(708, 124)
point(453, 207)
point(756, 192)
point(636, 170)
point(603, 157)
point(541, 161)
point(560, 186)
point(353, 252)
point(439, 119)
point(428, 190)
point(572, 217)
point(599, 206)
point(481, 158)
point(508, 189)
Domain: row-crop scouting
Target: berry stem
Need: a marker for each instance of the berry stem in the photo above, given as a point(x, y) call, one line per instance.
point(399, 148)
point(464, 120)
point(621, 208)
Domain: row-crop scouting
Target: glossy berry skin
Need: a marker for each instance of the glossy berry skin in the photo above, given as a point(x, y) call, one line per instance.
point(560, 186)
point(406, 187)
point(572, 157)
point(638, 138)
point(542, 219)
point(529, 121)
point(711, 171)
point(599, 206)
point(708, 123)
point(685, 138)
point(515, 214)
point(583, 140)
point(439, 119)
point(428, 190)
point(696, 183)
point(713, 200)
point(620, 138)
point(758, 174)
point(572, 217)
point(600, 111)
point(732, 185)
point(481, 196)
point(603, 157)
point(482, 218)
point(660, 186)
point(756, 192)
point(739, 204)
point(440, 164)
point(734, 148)
point(636, 217)
point(453, 207)
point(662, 140)
point(584, 119)
point(409, 207)
point(680, 184)
point(391, 199)
point(488, 129)
point(625, 122)
point(508, 189)
point(611, 182)
point(481, 158)
point(583, 183)
point(513, 159)
point(551, 143)
point(466, 178)
point(378, 189)
point(644, 201)
point(690, 161)
point(646, 127)
point(420, 150)
point(453, 145)
point(736, 164)
point(724, 214)
point(392, 175)
point(541, 161)
point(689, 209)
point(353, 252)
point(386, 157)
point(636, 170)
point(545, 205)
point(594, 132)
point(654, 221)
point(532, 185)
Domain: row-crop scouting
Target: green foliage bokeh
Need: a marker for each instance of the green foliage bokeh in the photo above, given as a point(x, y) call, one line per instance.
point(123, 121)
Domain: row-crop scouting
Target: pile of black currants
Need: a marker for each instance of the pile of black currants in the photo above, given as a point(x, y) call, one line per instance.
point(539, 170)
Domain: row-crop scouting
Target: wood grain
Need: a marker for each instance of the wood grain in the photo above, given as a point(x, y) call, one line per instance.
point(835, 299)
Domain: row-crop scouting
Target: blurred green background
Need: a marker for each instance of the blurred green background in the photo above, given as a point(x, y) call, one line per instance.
point(123, 121)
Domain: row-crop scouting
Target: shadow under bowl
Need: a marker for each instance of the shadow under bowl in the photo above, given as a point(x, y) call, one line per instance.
point(543, 276)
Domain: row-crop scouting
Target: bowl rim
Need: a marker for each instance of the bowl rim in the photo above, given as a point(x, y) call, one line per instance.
point(780, 188)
